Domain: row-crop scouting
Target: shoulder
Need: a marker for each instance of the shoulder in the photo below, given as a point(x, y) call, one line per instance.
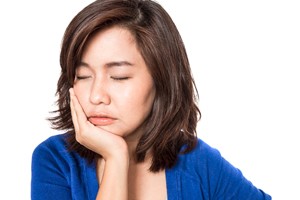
point(202, 163)
point(205, 168)
point(53, 152)
point(202, 155)
point(206, 163)
point(57, 172)
point(55, 143)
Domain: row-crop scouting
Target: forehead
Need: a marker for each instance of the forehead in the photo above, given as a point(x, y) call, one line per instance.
point(115, 40)
point(111, 45)
point(111, 36)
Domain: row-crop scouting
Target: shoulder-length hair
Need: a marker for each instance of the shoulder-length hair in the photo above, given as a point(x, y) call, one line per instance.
point(170, 128)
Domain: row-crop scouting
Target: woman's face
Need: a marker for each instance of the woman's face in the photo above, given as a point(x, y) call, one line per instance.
point(113, 84)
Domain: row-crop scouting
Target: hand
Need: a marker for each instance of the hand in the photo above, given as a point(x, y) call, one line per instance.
point(111, 147)
point(107, 144)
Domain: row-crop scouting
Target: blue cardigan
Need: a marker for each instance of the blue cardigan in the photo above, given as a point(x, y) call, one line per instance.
point(201, 174)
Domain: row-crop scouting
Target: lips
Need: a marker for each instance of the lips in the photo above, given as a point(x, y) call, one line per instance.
point(101, 120)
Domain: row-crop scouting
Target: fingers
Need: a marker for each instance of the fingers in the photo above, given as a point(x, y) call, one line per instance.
point(81, 117)
point(73, 112)
point(80, 122)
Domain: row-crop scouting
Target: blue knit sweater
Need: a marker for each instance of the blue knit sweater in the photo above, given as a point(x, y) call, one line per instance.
point(201, 174)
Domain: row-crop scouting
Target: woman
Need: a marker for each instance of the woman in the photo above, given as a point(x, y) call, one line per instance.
point(127, 99)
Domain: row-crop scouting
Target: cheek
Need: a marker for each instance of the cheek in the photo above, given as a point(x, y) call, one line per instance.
point(137, 100)
point(146, 93)
point(135, 92)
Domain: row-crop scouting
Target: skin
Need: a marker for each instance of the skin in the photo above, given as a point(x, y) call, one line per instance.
point(113, 94)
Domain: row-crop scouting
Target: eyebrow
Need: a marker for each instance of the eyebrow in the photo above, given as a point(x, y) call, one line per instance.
point(109, 64)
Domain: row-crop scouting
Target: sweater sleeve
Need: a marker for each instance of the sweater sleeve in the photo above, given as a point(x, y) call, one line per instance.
point(49, 169)
point(228, 182)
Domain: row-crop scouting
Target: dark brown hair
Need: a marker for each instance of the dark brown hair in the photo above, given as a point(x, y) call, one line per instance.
point(170, 128)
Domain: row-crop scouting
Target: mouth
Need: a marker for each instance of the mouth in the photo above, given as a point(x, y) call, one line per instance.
point(101, 120)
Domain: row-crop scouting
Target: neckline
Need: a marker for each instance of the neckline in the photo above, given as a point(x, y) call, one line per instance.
point(172, 182)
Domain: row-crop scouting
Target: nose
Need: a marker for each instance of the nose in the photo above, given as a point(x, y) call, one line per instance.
point(99, 93)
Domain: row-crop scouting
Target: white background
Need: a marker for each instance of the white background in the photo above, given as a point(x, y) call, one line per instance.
point(245, 56)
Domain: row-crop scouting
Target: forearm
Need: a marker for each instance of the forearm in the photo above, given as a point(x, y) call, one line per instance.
point(114, 184)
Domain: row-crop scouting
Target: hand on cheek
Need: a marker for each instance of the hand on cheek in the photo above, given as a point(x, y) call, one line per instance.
point(104, 143)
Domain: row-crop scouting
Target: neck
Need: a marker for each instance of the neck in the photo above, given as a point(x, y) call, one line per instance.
point(132, 144)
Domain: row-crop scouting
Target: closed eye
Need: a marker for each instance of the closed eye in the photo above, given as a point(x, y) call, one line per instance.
point(119, 78)
point(82, 77)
